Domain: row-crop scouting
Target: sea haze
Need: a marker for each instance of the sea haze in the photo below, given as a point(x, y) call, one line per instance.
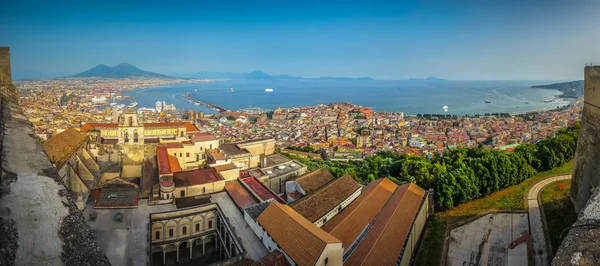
point(410, 97)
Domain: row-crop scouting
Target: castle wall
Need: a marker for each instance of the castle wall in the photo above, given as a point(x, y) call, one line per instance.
point(586, 172)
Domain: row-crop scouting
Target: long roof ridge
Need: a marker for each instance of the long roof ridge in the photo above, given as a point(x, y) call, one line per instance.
point(370, 225)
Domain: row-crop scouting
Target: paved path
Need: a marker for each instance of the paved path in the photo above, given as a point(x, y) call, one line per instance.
point(540, 248)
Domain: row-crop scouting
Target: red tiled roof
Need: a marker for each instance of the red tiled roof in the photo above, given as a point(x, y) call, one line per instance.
point(174, 145)
point(167, 164)
point(89, 126)
point(196, 177)
point(189, 127)
point(239, 194)
point(301, 240)
point(162, 160)
point(392, 226)
point(263, 192)
point(203, 137)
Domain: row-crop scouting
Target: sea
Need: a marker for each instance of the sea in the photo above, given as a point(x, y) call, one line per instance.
point(409, 96)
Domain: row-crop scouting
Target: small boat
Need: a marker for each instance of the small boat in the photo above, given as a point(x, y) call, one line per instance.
point(488, 102)
point(231, 89)
point(268, 90)
point(445, 108)
point(526, 102)
point(196, 90)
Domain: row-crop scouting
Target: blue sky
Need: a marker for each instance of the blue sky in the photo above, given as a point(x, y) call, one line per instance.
point(521, 39)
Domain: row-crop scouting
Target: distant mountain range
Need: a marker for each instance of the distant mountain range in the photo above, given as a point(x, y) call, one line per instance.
point(123, 70)
point(256, 75)
point(571, 89)
point(428, 78)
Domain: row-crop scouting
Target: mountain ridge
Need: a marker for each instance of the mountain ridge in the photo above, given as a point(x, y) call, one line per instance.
point(570, 89)
point(122, 70)
point(256, 75)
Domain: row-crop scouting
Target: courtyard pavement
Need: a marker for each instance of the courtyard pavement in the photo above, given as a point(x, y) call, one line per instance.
point(127, 242)
point(485, 241)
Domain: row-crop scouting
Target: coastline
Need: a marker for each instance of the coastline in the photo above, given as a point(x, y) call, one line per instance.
point(380, 96)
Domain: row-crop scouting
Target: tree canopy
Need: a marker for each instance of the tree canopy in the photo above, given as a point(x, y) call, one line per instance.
point(460, 175)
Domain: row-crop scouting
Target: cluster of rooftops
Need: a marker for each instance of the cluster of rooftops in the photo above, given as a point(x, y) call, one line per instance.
point(372, 229)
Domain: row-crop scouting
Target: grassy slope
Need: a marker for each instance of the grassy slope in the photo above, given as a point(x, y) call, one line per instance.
point(558, 209)
point(510, 198)
point(432, 244)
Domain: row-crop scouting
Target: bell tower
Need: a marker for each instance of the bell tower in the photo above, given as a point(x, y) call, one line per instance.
point(130, 130)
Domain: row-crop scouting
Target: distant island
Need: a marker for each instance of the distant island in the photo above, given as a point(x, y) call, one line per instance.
point(256, 75)
point(427, 78)
point(123, 70)
point(571, 89)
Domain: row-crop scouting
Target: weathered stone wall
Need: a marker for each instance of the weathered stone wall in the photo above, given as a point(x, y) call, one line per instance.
point(8, 92)
point(5, 76)
point(39, 221)
point(586, 172)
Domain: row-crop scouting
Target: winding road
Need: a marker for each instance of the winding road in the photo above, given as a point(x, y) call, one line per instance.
point(540, 248)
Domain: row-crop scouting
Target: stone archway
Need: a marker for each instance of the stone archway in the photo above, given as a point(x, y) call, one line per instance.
point(184, 252)
point(158, 256)
point(171, 251)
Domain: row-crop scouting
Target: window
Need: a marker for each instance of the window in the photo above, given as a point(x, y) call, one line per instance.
point(157, 235)
point(324, 220)
point(326, 261)
point(197, 157)
point(187, 155)
point(175, 154)
point(171, 232)
point(340, 208)
point(203, 156)
point(209, 224)
point(211, 146)
point(181, 154)
point(182, 193)
point(203, 190)
point(184, 230)
point(197, 227)
point(201, 148)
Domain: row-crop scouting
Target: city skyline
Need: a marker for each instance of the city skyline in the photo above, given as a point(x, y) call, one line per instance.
point(500, 40)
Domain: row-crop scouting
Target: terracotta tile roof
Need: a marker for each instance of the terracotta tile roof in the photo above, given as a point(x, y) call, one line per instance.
point(261, 190)
point(239, 194)
point(225, 167)
point(313, 206)
point(174, 145)
point(216, 154)
point(89, 126)
point(383, 243)
point(314, 180)
point(203, 137)
point(196, 177)
point(348, 224)
point(301, 240)
point(167, 164)
point(189, 127)
point(61, 147)
point(275, 258)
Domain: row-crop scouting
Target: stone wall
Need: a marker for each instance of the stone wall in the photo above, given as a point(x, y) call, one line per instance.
point(39, 222)
point(5, 76)
point(7, 91)
point(586, 172)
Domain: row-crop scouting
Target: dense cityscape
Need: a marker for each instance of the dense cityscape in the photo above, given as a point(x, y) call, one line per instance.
point(55, 105)
point(299, 133)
